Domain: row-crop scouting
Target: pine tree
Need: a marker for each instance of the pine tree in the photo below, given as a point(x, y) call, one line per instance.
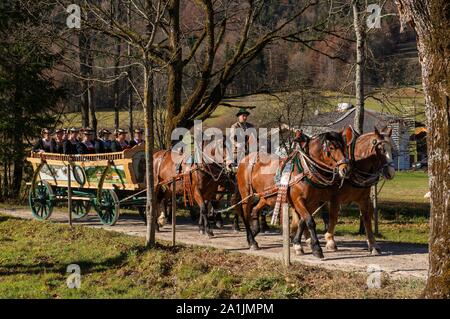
point(28, 97)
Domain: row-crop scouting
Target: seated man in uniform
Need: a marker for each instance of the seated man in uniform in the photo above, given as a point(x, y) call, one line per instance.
point(104, 135)
point(44, 144)
point(70, 145)
point(65, 134)
point(58, 142)
point(138, 137)
point(87, 146)
point(120, 143)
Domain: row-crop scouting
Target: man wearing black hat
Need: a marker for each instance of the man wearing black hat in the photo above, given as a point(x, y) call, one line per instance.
point(70, 145)
point(238, 128)
point(120, 143)
point(104, 140)
point(57, 145)
point(44, 144)
point(138, 133)
point(88, 145)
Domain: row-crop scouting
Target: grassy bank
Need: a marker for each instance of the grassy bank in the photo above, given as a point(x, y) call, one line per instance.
point(34, 257)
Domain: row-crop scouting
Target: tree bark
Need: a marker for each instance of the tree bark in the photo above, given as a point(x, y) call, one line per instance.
point(129, 87)
point(431, 21)
point(84, 46)
point(174, 69)
point(358, 122)
point(360, 61)
point(149, 138)
point(116, 71)
point(92, 107)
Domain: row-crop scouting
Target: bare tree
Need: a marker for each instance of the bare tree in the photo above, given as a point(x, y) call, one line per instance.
point(116, 14)
point(431, 21)
point(360, 34)
point(85, 72)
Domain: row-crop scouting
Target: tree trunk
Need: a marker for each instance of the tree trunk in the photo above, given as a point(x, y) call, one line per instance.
point(129, 87)
point(431, 21)
point(5, 179)
point(84, 46)
point(116, 72)
point(359, 71)
point(130, 108)
point(92, 107)
point(17, 176)
point(174, 69)
point(358, 123)
point(149, 138)
point(116, 87)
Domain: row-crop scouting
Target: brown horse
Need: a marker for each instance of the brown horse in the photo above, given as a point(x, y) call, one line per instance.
point(204, 179)
point(372, 156)
point(255, 177)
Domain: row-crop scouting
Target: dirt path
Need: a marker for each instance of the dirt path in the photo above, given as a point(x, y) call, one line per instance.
point(398, 260)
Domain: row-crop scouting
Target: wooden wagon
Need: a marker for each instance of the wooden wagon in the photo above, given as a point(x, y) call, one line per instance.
point(105, 182)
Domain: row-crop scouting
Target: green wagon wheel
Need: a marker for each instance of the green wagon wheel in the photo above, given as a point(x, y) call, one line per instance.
point(41, 200)
point(108, 208)
point(80, 208)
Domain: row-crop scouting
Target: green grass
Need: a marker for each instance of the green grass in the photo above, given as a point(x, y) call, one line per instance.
point(105, 119)
point(403, 211)
point(406, 187)
point(34, 257)
point(411, 231)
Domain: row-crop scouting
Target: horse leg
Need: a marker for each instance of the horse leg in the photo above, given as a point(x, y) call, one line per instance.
point(204, 224)
point(311, 225)
point(141, 211)
point(252, 243)
point(367, 212)
point(236, 227)
point(217, 216)
point(245, 211)
point(298, 234)
point(255, 216)
point(326, 220)
point(295, 221)
point(235, 198)
point(329, 235)
point(264, 226)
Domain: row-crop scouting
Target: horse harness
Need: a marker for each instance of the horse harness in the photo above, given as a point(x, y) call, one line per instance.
point(360, 178)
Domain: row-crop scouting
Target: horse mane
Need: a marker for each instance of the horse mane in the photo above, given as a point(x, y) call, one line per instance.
point(332, 137)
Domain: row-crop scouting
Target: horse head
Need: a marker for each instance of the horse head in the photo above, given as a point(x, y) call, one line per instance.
point(330, 148)
point(378, 145)
point(383, 149)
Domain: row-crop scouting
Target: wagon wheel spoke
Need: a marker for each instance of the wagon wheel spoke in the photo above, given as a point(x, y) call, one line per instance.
point(39, 209)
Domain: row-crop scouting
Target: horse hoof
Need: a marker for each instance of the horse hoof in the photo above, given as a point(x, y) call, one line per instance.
point(331, 246)
point(254, 247)
point(318, 254)
point(308, 241)
point(376, 251)
point(201, 232)
point(210, 234)
point(219, 225)
point(298, 250)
